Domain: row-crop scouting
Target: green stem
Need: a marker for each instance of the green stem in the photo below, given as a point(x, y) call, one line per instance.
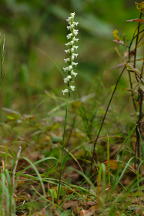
point(62, 152)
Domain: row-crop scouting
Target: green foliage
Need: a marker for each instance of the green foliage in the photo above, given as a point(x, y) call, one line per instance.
point(32, 111)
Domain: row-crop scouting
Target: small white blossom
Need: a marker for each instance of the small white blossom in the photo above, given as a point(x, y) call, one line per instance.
point(65, 91)
point(65, 68)
point(71, 17)
point(75, 39)
point(75, 23)
point(73, 48)
point(70, 67)
point(72, 14)
point(71, 54)
point(72, 88)
point(70, 43)
point(68, 27)
point(67, 51)
point(66, 60)
point(74, 55)
point(67, 79)
point(72, 25)
point(74, 63)
point(73, 73)
point(69, 36)
point(75, 32)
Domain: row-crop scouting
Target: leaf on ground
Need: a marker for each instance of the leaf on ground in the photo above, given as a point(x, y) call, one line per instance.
point(70, 204)
point(41, 213)
point(89, 212)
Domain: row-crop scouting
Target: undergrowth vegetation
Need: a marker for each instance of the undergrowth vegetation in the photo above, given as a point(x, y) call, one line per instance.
point(76, 150)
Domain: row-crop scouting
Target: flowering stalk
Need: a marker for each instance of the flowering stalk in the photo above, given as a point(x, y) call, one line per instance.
point(70, 51)
point(69, 79)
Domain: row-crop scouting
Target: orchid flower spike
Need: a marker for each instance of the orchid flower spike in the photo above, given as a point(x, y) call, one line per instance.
point(71, 55)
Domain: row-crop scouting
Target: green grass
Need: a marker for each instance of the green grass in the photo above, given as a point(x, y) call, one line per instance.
point(40, 174)
point(114, 187)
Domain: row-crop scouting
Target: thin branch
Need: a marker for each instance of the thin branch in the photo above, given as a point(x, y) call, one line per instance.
point(137, 40)
point(104, 117)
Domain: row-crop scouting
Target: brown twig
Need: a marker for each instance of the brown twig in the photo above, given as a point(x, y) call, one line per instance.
point(140, 100)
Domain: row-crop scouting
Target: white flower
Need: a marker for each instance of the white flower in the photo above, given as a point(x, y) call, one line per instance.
point(72, 88)
point(67, 51)
point(68, 27)
point(68, 19)
point(70, 67)
point(74, 63)
point(71, 26)
point(73, 73)
point(74, 55)
point(75, 32)
point(73, 48)
point(67, 79)
point(75, 39)
point(69, 36)
point(70, 43)
point(75, 23)
point(72, 14)
point(65, 91)
point(65, 68)
point(71, 17)
point(66, 60)
point(71, 55)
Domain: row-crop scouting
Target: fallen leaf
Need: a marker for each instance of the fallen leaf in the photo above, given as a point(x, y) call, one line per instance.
point(41, 213)
point(70, 204)
point(89, 212)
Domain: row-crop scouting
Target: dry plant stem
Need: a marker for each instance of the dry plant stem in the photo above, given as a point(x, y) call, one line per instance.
point(15, 167)
point(140, 93)
point(137, 40)
point(129, 74)
point(2, 56)
point(140, 102)
point(138, 126)
point(132, 95)
point(129, 60)
point(104, 117)
point(142, 68)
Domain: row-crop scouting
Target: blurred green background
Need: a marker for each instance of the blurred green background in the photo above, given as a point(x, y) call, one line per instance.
point(35, 33)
